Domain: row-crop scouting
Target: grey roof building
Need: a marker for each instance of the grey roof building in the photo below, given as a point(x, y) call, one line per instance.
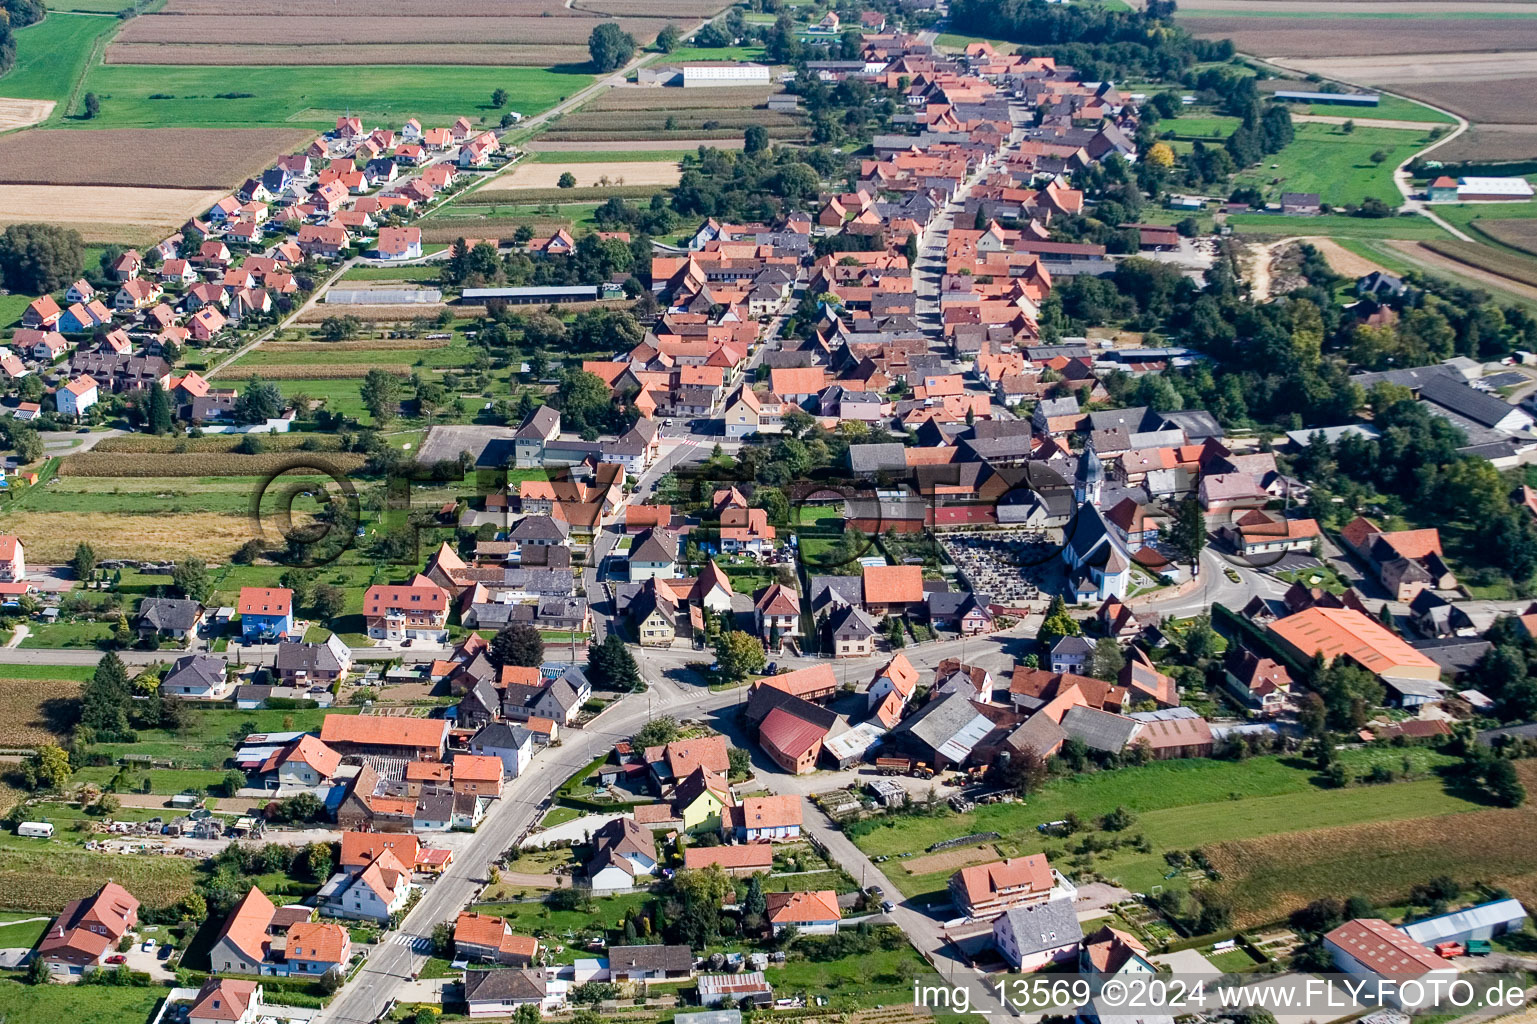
point(869, 459)
point(1100, 730)
point(506, 984)
point(198, 671)
point(1039, 928)
point(173, 615)
point(944, 731)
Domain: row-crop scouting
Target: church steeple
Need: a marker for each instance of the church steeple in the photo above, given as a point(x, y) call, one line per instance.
point(1089, 481)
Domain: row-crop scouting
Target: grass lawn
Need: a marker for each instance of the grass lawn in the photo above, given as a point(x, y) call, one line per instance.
point(1180, 805)
point(206, 740)
point(1388, 108)
point(1235, 961)
point(884, 976)
point(1205, 127)
point(560, 815)
point(11, 308)
point(312, 96)
point(707, 53)
point(170, 781)
point(1324, 159)
point(423, 272)
point(21, 936)
point(67, 634)
point(539, 920)
point(78, 1004)
point(595, 157)
point(52, 55)
point(574, 215)
point(1335, 226)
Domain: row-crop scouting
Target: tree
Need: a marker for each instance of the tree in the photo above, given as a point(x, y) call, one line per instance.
point(260, 401)
point(1200, 638)
point(755, 903)
point(657, 732)
point(518, 644)
point(23, 438)
point(47, 768)
point(1106, 661)
point(234, 781)
point(755, 139)
point(566, 180)
point(611, 666)
point(328, 602)
point(39, 258)
point(1159, 155)
point(92, 106)
point(381, 392)
point(302, 583)
point(1057, 624)
point(105, 697)
point(317, 860)
point(38, 972)
point(1378, 156)
point(158, 415)
point(739, 762)
point(84, 561)
point(1504, 784)
point(1187, 535)
point(498, 98)
point(610, 47)
point(668, 39)
point(740, 654)
point(190, 576)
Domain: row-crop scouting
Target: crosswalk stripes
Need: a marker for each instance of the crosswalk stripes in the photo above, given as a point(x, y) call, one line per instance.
point(417, 943)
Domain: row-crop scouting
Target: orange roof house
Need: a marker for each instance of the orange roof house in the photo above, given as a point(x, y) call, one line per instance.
point(419, 738)
point(892, 587)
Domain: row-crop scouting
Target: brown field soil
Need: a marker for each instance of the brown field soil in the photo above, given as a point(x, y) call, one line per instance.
point(1342, 260)
point(1483, 257)
point(654, 8)
point(30, 709)
point(309, 371)
point(208, 535)
point(491, 54)
point(378, 314)
point(1433, 260)
point(47, 877)
point(20, 113)
point(115, 464)
point(386, 8)
point(1492, 142)
point(620, 146)
point(665, 139)
point(647, 98)
point(1507, 101)
point(1518, 233)
point(950, 860)
point(1338, 37)
point(1269, 877)
point(161, 158)
point(106, 214)
point(534, 175)
point(1409, 67)
point(332, 30)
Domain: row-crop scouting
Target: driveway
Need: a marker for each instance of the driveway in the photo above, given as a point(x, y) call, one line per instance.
point(577, 829)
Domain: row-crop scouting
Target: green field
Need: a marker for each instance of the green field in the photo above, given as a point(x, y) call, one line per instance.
point(208, 738)
point(425, 272)
point(1388, 108)
point(78, 1004)
point(52, 55)
point(11, 308)
point(23, 935)
point(1336, 165)
point(312, 97)
point(1180, 805)
point(707, 53)
point(1335, 226)
point(594, 157)
point(67, 634)
point(534, 918)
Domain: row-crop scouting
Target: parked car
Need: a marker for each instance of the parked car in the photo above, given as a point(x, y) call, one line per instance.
point(117, 958)
point(888, 906)
point(149, 945)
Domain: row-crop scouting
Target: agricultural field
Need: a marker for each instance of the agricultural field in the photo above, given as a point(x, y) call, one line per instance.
point(1335, 226)
point(21, 113)
point(1179, 805)
point(1460, 270)
point(501, 220)
point(42, 877)
point(1271, 876)
point(52, 55)
point(1335, 164)
point(312, 97)
point(1516, 233)
point(1326, 37)
point(101, 213)
point(543, 175)
point(320, 54)
point(35, 711)
point(667, 117)
point(1491, 142)
point(170, 158)
point(1520, 270)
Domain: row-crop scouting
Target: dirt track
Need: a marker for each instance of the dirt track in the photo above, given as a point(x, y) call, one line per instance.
point(1342, 259)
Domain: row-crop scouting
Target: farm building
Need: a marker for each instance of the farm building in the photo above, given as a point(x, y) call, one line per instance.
point(1346, 99)
point(1488, 190)
point(1484, 921)
point(697, 76)
point(533, 295)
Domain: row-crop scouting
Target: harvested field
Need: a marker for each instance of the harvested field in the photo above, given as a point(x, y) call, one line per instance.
point(624, 145)
point(1406, 67)
point(1492, 142)
point(208, 535)
point(221, 54)
point(217, 442)
point(114, 464)
point(1432, 260)
point(389, 8)
point(378, 314)
point(1502, 101)
point(1486, 258)
point(35, 711)
point(950, 860)
point(380, 345)
point(1326, 37)
point(162, 158)
point(309, 371)
point(691, 9)
point(645, 98)
point(1517, 233)
point(1342, 260)
point(544, 176)
point(1269, 877)
point(332, 30)
point(106, 214)
point(20, 113)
